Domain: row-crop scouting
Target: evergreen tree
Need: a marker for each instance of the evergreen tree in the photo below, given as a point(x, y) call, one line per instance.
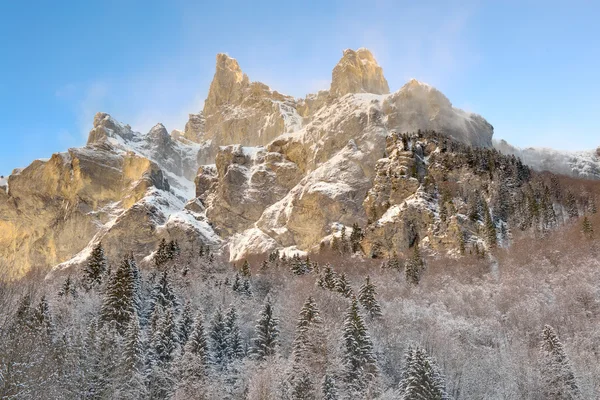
point(107, 351)
point(246, 289)
point(557, 376)
point(329, 389)
point(394, 262)
point(266, 333)
point(343, 240)
point(42, 318)
point(415, 267)
point(421, 378)
point(335, 244)
point(173, 250)
point(219, 346)
point(366, 296)
point(359, 361)
point(308, 350)
point(355, 238)
point(571, 205)
point(121, 297)
point(245, 270)
point(68, 288)
point(237, 285)
point(235, 348)
point(299, 266)
point(95, 269)
point(195, 357)
point(161, 255)
point(587, 228)
point(185, 324)
point(342, 285)
point(164, 339)
point(328, 278)
point(132, 363)
point(303, 387)
point(163, 294)
point(489, 226)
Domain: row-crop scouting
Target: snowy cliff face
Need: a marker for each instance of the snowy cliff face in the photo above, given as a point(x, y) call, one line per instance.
point(579, 164)
point(335, 147)
point(265, 170)
point(123, 188)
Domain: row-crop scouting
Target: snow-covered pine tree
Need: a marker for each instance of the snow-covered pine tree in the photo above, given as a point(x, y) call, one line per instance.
point(163, 346)
point(328, 278)
point(164, 339)
point(163, 294)
point(360, 367)
point(366, 296)
point(246, 288)
point(68, 288)
point(132, 376)
point(308, 318)
point(421, 378)
point(308, 350)
point(95, 268)
point(161, 256)
point(192, 367)
point(342, 285)
point(219, 347)
point(344, 247)
point(42, 318)
point(173, 250)
point(235, 348)
point(237, 284)
point(121, 297)
point(303, 387)
point(329, 389)
point(571, 205)
point(186, 322)
point(489, 226)
point(245, 270)
point(414, 266)
point(557, 376)
point(266, 337)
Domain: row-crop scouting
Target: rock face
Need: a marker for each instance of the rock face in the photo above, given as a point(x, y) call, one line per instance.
point(125, 189)
point(358, 72)
point(338, 153)
point(238, 111)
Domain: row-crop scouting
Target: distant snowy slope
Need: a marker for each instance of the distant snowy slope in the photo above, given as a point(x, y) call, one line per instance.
point(579, 164)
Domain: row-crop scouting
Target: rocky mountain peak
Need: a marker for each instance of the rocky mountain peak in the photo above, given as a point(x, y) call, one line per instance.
point(227, 84)
point(105, 126)
point(358, 72)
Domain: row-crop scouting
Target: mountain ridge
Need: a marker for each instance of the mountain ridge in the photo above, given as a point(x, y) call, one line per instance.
point(255, 169)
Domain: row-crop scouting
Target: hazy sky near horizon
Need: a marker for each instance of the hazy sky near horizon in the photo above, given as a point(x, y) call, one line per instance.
point(529, 67)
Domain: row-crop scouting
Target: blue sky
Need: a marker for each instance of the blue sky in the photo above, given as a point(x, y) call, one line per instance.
point(529, 67)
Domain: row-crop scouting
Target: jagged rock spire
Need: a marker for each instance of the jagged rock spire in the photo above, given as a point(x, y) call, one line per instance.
point(358, 72)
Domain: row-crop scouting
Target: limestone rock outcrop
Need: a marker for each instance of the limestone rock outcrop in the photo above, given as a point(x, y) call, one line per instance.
point(358, 72)
point(338, 150)
point(124, 189)
point(238, 111)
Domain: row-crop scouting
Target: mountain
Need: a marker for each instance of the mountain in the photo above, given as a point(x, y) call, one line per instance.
point(256, 171)
point(579, 164)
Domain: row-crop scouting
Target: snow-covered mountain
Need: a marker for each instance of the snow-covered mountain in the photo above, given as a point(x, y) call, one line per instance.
point(252, 172)
point(579, 164)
